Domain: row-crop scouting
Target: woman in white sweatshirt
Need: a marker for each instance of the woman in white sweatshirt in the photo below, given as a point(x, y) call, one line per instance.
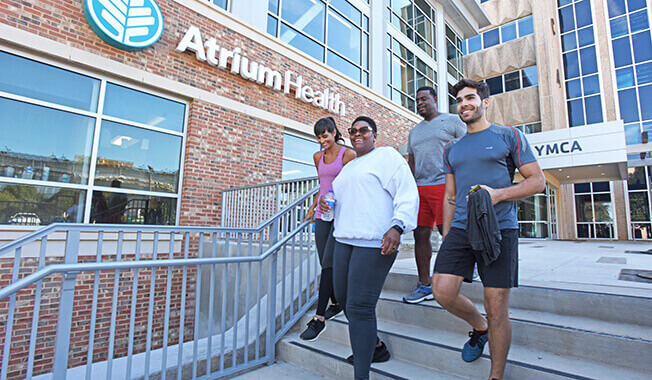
point(376, 202)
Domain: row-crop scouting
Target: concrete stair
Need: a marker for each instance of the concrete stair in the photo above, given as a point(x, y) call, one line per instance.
point(555, 334)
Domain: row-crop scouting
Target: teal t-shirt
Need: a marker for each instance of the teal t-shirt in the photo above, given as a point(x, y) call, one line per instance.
point(488, 157)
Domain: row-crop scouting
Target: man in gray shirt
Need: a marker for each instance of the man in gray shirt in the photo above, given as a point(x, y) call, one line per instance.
point(425, 148)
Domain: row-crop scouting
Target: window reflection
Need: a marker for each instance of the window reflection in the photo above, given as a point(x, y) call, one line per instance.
point(37, 205)
point(120, 208)
point(138, 158)
point(305, 15)
point(44, 144)
point(32, 79)
point(140, 107)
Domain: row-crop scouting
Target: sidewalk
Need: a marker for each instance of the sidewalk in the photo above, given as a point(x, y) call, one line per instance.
point(577, 265)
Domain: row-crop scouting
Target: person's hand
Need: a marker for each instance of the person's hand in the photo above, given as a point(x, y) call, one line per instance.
point(391, 241)
point(310, 214)
point(323, 206)
point(493, 193)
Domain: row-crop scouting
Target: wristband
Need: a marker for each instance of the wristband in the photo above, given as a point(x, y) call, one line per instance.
point(398, 228)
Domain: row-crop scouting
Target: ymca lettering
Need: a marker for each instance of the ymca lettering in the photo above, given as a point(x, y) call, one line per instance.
point(557, 148)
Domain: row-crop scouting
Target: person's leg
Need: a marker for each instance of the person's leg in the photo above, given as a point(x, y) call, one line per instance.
point(423, 253)
point(322, 235)
point(367, 272)
point(341, 258)
point(446, 288)
point(496, 303)
point(327, 262)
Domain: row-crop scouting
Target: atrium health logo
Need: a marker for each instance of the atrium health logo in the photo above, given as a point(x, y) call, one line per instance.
point(125, 24)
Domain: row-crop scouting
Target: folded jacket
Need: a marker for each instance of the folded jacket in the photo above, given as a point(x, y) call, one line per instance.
point(482, 226)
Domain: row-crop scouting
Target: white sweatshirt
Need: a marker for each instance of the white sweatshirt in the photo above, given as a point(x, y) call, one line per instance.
point(373, 193)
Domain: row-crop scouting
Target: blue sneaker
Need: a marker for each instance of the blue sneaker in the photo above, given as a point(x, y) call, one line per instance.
point(420, 294)
point(473, 348)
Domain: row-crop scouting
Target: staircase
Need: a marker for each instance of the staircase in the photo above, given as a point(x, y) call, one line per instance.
point(555, 334)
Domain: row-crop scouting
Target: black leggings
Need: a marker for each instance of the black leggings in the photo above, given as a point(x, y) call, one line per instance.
point(324, 241)
point(358, 277)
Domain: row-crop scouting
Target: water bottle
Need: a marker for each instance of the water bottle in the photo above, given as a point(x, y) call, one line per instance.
point(330, 200)
point(46, 173)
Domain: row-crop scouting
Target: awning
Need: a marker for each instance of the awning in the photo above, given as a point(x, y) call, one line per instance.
point(594, 152)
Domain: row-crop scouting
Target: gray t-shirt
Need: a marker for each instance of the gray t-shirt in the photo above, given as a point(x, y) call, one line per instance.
point(426, 143)
point(488, 157)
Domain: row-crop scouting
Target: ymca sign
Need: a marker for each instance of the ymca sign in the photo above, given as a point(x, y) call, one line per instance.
point(557, 148)
point(236, 61)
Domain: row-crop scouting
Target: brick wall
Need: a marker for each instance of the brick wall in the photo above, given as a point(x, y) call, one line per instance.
point(223, 149)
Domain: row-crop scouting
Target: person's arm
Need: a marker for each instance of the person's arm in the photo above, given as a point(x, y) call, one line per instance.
point(534, 182)
point(411, 162)
point(349, 154)
point(450, 196)
point(403, 189)
point(311, 210)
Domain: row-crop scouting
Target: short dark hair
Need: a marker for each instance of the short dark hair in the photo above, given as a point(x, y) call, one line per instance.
point(327, 124)
point(481, 87)
point(368, 120)
point(429, 89)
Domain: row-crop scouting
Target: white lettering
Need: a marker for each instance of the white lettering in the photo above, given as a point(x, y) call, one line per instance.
point(248, 71)
point(269, 77)
point(307, 94)
point(289, 84)
point(192, 41)
point(224, 57)
point(211, 51)
point(235, 63)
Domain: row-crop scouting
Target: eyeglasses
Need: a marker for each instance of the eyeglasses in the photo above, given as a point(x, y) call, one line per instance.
point(362, 130)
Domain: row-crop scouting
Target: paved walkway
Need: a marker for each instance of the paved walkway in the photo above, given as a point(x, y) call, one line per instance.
point(578, 265)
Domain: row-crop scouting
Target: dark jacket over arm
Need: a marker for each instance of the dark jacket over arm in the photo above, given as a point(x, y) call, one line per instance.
point(482, 226)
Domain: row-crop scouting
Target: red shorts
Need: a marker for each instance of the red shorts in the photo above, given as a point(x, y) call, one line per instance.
point(431, 203)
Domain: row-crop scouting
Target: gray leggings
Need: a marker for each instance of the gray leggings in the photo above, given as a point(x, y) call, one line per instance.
point(358, 277)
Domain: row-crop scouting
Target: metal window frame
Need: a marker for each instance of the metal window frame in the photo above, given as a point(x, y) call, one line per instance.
point(500, 34)
point(614, 224)
point(648, 191)
point(98, 115)
point(413, 27)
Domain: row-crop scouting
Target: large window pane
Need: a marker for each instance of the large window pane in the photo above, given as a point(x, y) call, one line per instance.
point(567, 19)
point(616, 7)
point(571, 65)
point(584, 208)
point(569, 41)
point(491, 38)
point(344, 38)
point(36, 205)
point(305, 15)
point(343, 66)
point(294, 170)
point(639, 206)
point(642, 46)
point(300, 149)
point(622, 52)
point(585, 37)
point(525, 27)
point(347, 9)
point(144, 108)
point(583, 13)
point(120, 208)
point(576, 112)
point(628, 105)
point(512, 81)
point(301, 42)
point(530, 76)
point(136, 158)
point(619, 27)
point(644, 73)
point(44, 144)
point(645, 94)
point(638, 21)
point(591, 85)
point(475, 43)
point(589, 60)
point(508, 32)
point(593, 108)
point(636, 178)
point(495, 85)
point(36, 80)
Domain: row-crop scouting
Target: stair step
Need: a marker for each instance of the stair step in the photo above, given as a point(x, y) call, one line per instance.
point(442, 350)
point(328, 358)
point(575, 337)
point(633, 310)
point(281, 370)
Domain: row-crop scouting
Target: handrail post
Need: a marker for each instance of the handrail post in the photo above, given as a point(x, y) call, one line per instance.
point(64, 321)
point(271, 297)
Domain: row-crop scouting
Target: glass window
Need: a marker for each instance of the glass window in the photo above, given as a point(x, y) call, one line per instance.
point(525, 27)
point(302, 42)
point(633, 5)
point(593, 108)
point(636, 178)
point(272, 25)
point(585, 37)
point(306, 16)
point(220, 3)
point(571, 65)
point(144, 108)
point(530, 76)
point(642, 46)
point(616, 7)
point(120, 208)
point(574, 88)
point(589, 60)
point(490, 38)
point(638, 21)
point(583, 13)
point(475, 43)
point(584, 208)
point(512, 81)
point(35, 80)
point(645, 94)
point(633, 134)
point(568, 41)
point(344, 37)
point(508, 32)
point(495, 85)
point(622, 52)
point(39, 205)
point(44, 144)
point(625, 77)
point(628, 105)
point(343, 66)
point(273, 6)
point(567, 19)
point(137, 158)
point(348, 10)
point(591, 85)
point(297, 157)
point(619, 27)
point(415, 15)
point(644, 73)
point(576, 112)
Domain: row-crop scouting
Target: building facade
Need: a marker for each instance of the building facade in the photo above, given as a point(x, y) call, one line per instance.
point(575, 76)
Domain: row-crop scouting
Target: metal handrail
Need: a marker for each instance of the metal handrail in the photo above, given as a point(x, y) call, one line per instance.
point(269, 184)
point(277, 237)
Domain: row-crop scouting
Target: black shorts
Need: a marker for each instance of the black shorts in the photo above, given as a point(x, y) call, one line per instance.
point(457, 257)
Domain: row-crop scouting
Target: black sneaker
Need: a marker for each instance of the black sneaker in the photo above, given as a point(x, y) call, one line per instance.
point(381, 354)
point(314, 330)
point(333, 311)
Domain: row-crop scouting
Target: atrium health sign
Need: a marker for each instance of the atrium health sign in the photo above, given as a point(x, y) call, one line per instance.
point(129, 25)
point(237, 62)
